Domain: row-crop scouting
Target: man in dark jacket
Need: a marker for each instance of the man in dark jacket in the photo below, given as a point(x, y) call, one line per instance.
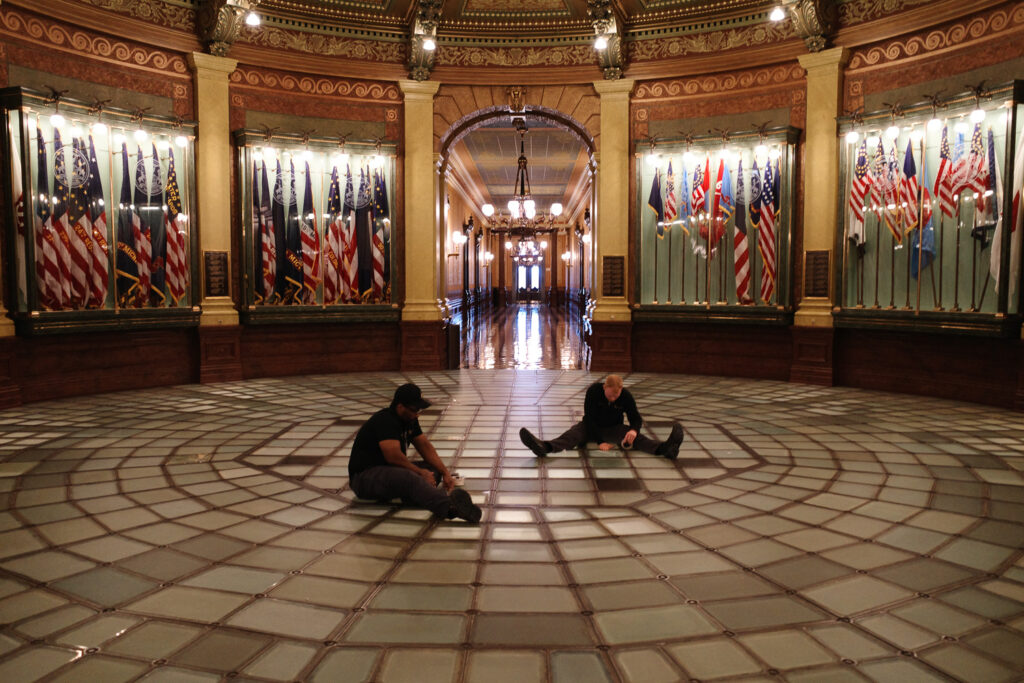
point(603, 409)
point(379, 469)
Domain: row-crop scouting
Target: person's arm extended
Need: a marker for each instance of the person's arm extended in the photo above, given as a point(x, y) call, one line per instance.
point(392, 451)
point(426, 449)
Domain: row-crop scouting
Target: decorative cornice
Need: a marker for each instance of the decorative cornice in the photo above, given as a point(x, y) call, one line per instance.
point(957, 34)
point(854, 12)
point(815, 21)
point(785, 75)
point(326, 45)
point(220, 23)
point(54, 35)
point(176, 16)
point(682, 45)
point(277, 81)
point(568, 55)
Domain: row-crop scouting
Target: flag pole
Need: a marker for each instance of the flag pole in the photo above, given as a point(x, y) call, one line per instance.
point(655, 259)
point(974, 252)
point(956, 270)
point(878, 251)
point(682, 262)
point(846, 241)
point(668, 275)
point(920, 229)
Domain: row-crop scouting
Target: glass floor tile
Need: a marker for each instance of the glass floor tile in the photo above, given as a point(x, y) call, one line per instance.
point(804, 533)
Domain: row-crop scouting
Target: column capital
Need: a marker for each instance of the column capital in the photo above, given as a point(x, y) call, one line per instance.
point(622, 86)
point(414, 90)
point(201, 62)
point(826, 60)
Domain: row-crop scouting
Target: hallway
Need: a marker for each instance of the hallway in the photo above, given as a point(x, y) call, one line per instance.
point(527, 336)
point(207, 533)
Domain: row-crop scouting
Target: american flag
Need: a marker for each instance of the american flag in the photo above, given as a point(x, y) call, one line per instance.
point(310, 242)
point(670, 195)
point(741, 255)
point(98, 213)
point(268, 242)
point(65, 168)
point(959, 176)
point(48, 271)
point(332, 239)
point(349, 248)
point(141, 233)
point(944, 176)
point(909, 189)
point(174, 228)
point(766, 234)
point(860, 190)
point(976, 166)
point(701, 183)
point(381, 217)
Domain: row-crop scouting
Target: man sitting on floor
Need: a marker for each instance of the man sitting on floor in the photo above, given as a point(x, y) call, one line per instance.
point(379, 469)
point(603, 410)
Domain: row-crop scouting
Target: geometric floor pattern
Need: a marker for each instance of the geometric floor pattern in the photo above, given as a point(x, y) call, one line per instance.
point(207, 533)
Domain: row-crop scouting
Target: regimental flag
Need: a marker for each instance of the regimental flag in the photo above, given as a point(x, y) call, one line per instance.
point(175, 223)
point(685, 209)
point(293, 263)
point(77, 258)
point(140, 229)
point(741, 255)
point(364, 234)
point(670, 196)
point(153, 217)
point(126, 259)
point(976, 166)
point(860, 192)
point(909, 189)
point(701, 185)
point(754, 202)
point(927, 244)
point(48, 270)
point(100, 246)
point(381, 220)
point(991, 196)
point(332, 241)
point(349, 245)
point(280, 231)
point(268, 239)
point(1016, 219)
point(654, 203)
point(943, 178)
point(891, 193)
point(310, 242)
point(766, 234)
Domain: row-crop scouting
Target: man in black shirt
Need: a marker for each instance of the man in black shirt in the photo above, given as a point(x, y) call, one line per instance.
point(603, 409)
point(379, 469)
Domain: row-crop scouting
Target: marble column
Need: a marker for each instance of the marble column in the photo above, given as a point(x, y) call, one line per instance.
point(424, 345)
point(812, 331)
point(612, 321)
point(219, 330)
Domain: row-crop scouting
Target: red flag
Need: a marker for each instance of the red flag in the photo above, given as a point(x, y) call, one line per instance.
point(943, 178)
point(859, 192)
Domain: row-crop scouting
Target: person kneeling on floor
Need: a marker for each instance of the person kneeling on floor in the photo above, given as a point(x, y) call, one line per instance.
point(380, 470)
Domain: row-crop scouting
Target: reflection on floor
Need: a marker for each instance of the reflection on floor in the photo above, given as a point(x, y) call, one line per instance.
point(205, 533)
point(528, 336)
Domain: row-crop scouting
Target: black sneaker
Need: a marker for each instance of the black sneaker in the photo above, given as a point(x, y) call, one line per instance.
point(670, 449)
point(538, 447)
point(462, 506)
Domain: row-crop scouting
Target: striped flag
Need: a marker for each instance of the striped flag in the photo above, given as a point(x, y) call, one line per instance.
point(74, 256)
point(80, 222)
point(349, 246)
point(741, 255)
point(909, 189)
point(960, 174)
point(655, 204)
point(100, 247)
point(976, 166)
point(47, 264)
point(670, 195)
point(174, 228)
point(332, 241)
point(860, 190)
point(310, 242)
point(766, 235)
point(381, 218)
point(140, 231)
point(701, 184)
point(268, 239)
point(943, 177)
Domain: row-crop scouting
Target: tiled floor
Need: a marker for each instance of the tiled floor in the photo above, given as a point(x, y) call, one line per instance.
point(202, 533)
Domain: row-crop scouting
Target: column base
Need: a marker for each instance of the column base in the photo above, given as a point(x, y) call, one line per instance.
point(611, 348)
point(218, 311)
point(812, 356)
point(220, 354)
point(425, 345)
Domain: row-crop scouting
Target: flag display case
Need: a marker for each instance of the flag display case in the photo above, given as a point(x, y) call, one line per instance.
point(715, 216)
point(316, 228)
point(930, 217)
point(100, 204)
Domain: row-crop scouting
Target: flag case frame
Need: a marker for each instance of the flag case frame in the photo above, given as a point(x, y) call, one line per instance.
point(748, 274)
point(76, 260)
point(970, 263)
point(278, 262)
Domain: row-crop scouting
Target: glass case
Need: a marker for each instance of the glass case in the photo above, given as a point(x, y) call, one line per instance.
point(928, 213)
point(316, 227)
point(101, 202)
point(715, 216)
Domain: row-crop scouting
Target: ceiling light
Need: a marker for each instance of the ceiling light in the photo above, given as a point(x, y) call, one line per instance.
point(852, 137)
point(893, 131)
point(139, 135)
point(488, 210)
point(778, 14)
point(99, 128)
point(429, 45)
point(556, 209)
point(935, 124)
point(57, 121)
point(977, 116)
point(600, 43)
point(252, 19)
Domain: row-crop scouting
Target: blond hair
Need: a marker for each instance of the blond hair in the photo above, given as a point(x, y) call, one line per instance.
point(613, 382)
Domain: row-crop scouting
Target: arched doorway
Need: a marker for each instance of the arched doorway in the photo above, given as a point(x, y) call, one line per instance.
point(500, 265)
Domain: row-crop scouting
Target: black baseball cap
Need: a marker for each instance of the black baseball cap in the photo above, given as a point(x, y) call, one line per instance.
point(409, 395)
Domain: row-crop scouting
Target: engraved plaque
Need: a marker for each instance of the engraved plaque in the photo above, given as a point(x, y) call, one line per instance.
point(613, 276)
point(216, 271)
point(816, 271)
